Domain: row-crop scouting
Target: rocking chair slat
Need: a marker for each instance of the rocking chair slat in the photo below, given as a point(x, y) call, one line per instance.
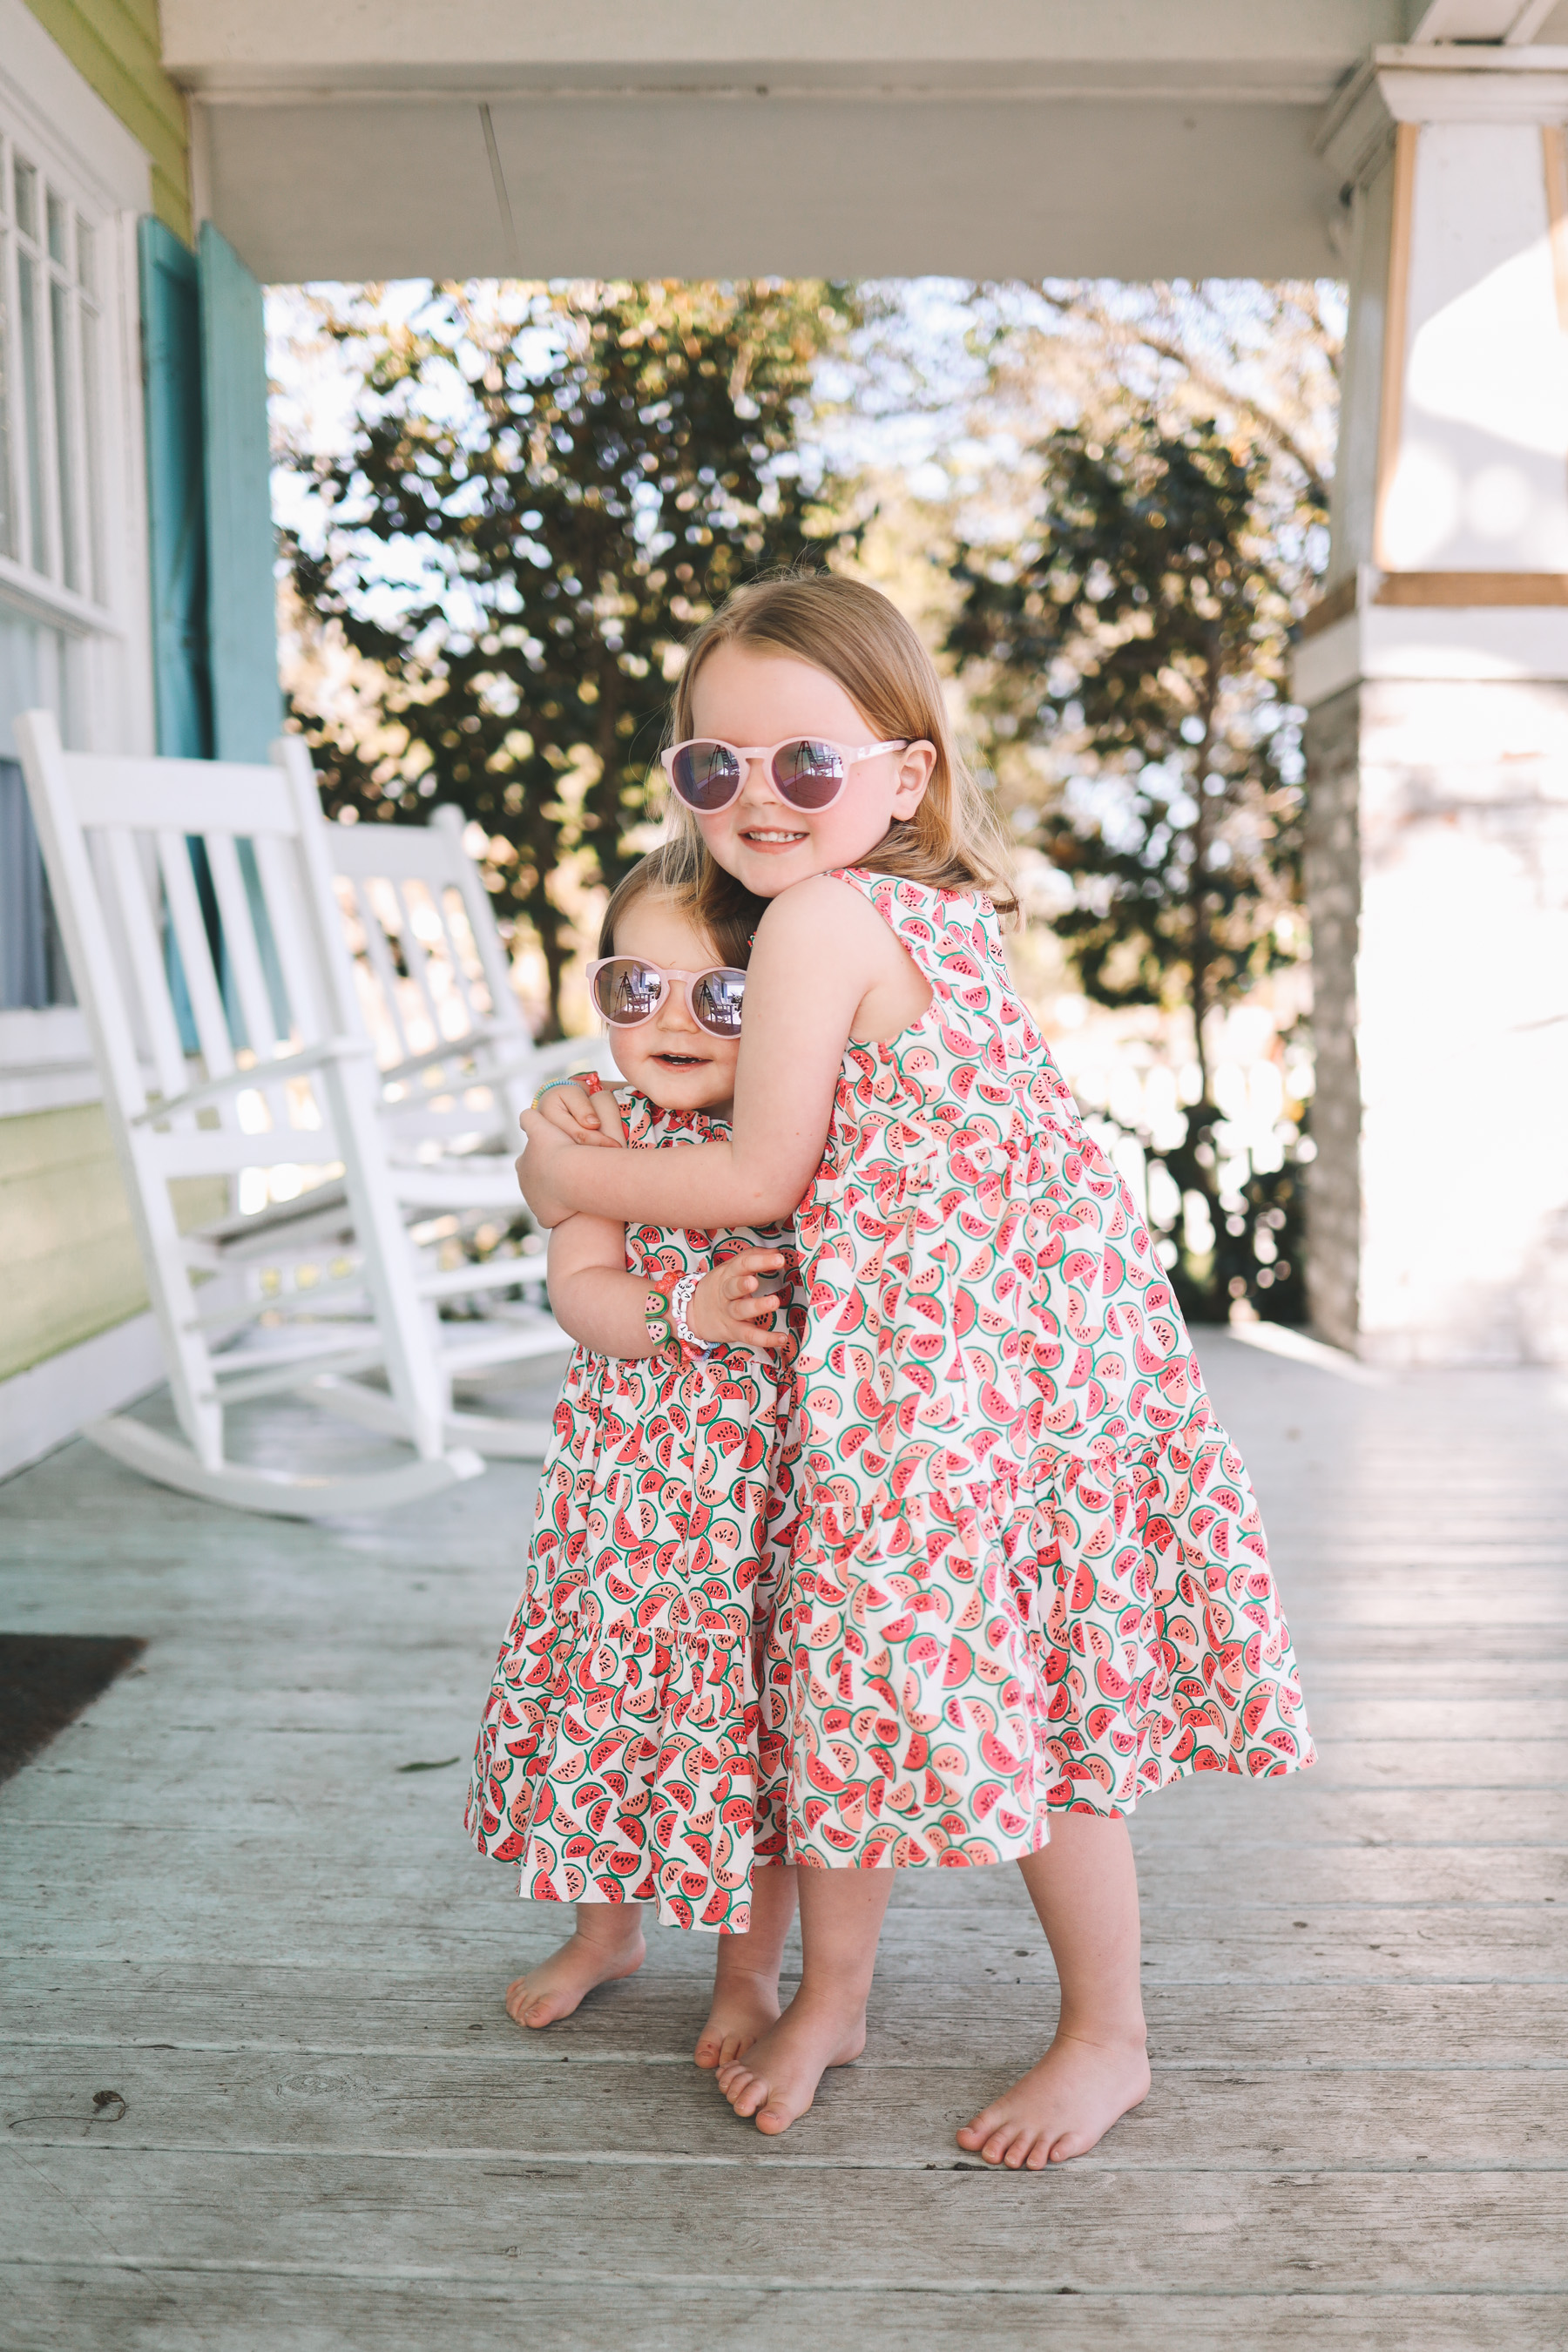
point(195, 954)
point(414, 957)
point(297, 952)
point(240, 945)
point(378, 955)
point(147, 974)
point(458, 953)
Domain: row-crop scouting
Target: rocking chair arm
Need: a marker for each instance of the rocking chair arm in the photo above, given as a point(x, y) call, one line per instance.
point(534, 1062)
point(259, 1074)
point(466, 1048)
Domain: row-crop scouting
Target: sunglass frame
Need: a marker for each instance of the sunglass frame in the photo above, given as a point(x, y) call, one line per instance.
point(851, 754)
point(665, 974)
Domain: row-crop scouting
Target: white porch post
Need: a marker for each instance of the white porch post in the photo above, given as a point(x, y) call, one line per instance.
point(1435, 671)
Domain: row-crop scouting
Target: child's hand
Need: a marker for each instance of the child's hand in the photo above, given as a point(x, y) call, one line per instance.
point(581, 1116)
point(729, 1309)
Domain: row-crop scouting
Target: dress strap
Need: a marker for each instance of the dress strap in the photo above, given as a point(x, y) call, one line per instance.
point(950, 934)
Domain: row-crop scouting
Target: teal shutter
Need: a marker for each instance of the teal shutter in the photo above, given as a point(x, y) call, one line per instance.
point(242, 628)
point(177, 492)
point(215, 644)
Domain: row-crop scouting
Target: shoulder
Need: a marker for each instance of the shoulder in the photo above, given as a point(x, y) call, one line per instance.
point(820, 908)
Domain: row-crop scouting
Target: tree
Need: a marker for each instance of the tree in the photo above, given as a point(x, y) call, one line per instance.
point(1132, 642)
point(539, 501)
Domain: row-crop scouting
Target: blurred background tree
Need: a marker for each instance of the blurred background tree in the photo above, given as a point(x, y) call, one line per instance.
point(539, 495)
point(1102, 504)
point(1124, 627)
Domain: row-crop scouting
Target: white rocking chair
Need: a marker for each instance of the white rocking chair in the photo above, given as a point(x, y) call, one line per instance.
point(456, 1058)
point(457, 1063)
point(284, 1075)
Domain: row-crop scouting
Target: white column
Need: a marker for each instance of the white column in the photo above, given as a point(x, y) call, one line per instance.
point(1434, 672)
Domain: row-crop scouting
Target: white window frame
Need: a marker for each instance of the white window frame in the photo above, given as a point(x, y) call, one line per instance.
point(85, 151)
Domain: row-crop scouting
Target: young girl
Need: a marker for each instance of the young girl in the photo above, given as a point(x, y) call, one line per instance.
point(617, 1760)
point(1029, 1581)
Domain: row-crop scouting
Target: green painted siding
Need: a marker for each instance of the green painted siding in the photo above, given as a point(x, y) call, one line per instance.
point(67, 1243)
point(72, 1268)
point(115, 46)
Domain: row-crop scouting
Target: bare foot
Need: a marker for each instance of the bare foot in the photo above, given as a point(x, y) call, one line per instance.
point(556, 1986)
point(1062, 2107)
point(777, 2081)
point(744, 2007)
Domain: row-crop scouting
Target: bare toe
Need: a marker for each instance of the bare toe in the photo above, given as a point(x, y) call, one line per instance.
point(743, 2090)
point(554, 1988)
point(1062, 2107)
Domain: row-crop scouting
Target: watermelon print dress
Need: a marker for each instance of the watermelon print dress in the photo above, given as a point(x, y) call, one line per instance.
point(1029, 1575)
point(618, 1755)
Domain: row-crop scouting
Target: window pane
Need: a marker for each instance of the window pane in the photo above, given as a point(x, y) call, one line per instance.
point(25, 975)
point(33, 670)
point(26, 198)
point(86, 329)
point(58, 226)
point(65, 433)
point(32, 409)
point(86, 255)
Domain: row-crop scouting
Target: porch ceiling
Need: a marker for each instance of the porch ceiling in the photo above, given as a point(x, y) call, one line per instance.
point(719, 137)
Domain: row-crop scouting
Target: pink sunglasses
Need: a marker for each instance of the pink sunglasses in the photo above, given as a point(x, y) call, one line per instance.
point(628, 990)
point(804, 771)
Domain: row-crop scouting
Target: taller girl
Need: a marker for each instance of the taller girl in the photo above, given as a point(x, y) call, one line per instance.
point(1030, 1583)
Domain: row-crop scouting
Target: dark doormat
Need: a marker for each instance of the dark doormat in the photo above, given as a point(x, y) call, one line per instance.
point(45, 1681)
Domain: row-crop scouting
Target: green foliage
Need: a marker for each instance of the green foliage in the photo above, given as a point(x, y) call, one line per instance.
point(1127, 654)
point(536, 508)
point(1254, 1247)
point(1137, 637)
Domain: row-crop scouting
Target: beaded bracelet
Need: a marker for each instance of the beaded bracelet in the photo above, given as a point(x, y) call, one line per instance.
point(679, 1308)
point(589, 1080)
point(665, 1310)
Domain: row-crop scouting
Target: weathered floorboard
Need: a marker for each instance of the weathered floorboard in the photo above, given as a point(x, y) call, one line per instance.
point(756, 2217)
point(1282, 2024)
point(883, 2116)
point(218, 2310)
point(221, 1901)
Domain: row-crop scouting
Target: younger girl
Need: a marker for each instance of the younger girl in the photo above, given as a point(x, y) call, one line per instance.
point(617, 1760)
point(1029, 1581)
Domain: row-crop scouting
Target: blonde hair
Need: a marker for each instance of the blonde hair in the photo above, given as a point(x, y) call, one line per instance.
point(861, 640)
point(667, 873)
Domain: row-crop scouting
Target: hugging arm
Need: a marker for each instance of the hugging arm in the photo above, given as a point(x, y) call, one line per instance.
point(592, 1295)
point(821, 955)
point(599, 1303)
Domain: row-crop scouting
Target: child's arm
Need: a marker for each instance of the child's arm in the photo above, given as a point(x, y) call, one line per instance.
point(599, 1302)
point(825, 967)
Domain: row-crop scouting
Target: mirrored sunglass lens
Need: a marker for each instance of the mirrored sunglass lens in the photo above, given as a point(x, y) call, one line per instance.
point(625, 992)
point(807, 773)
point(716, 999)
point(706, 775)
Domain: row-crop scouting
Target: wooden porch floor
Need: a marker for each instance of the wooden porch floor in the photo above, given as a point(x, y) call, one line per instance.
point(227, 1901)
